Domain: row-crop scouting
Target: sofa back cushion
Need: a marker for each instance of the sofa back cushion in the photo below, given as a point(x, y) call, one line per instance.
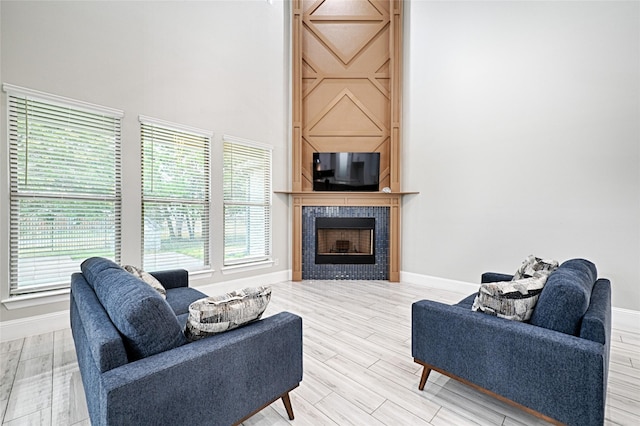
point(145, 320)
point(92, 267)
point(565, 297)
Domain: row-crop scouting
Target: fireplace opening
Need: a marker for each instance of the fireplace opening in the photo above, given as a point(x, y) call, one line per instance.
point(345, 240)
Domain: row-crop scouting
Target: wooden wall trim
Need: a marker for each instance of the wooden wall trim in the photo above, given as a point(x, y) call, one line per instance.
point(296, 63)
point(347, 72)
point(396, 95)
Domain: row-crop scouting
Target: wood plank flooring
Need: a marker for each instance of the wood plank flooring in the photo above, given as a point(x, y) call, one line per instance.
point(358, 368)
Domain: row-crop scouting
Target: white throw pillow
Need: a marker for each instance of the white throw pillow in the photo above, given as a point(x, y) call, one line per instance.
point(217, 314)
point(513, 300)
point(147, 278)
point(535, 266)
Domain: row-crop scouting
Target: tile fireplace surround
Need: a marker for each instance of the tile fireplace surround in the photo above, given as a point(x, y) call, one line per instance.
point(314, 271)
point(391, 201)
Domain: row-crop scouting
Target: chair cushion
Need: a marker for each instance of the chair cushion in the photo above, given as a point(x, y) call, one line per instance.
point(467, 302)
point(93, 266)
point(217, 314)
point(565, 297)
point(180, 298)
point(513, 300)
point(145, 320)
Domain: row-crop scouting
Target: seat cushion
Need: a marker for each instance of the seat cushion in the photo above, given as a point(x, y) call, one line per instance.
point(565, 297)
point(145, 320)
point(467, 302)
point(182, 319)
point(180, 298)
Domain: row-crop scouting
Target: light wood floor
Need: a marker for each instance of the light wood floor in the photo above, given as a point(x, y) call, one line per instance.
point(357, 367)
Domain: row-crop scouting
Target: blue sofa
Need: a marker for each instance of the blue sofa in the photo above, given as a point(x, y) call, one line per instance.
point(137, 367)
point(554, 366)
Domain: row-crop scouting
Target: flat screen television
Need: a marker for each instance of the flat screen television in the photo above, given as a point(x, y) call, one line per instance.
point(346, 171)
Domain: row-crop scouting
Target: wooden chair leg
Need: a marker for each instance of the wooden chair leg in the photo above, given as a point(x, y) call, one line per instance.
point(287, 405)
point(423, 379)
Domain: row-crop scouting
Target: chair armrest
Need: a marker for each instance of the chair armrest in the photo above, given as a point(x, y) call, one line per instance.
point(216, 380)
point(596, 322)
point(173, 278)
point(545, 370)
point(494, 277)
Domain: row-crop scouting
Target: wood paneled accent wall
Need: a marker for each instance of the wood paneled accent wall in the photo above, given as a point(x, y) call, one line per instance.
point(346, 83)
point(347, 68)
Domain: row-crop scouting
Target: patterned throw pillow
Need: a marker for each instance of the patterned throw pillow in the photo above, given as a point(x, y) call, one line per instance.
point(513, 300)
point(147, 278)
point(217, 314)
point(533, 266)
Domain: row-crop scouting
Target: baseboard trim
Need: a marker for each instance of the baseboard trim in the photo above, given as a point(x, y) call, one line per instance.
point(621, 319)
point(625, 319)
point(463, 287)
point(30, 326)
point(253, 281)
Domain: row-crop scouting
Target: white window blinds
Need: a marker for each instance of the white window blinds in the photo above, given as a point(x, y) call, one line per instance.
point(64, 187)
point(175, 196)
point(247, 201)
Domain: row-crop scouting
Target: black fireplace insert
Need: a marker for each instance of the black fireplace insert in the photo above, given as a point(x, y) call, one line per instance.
point(345, 240)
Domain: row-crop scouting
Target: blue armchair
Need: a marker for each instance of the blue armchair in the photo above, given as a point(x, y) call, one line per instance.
point(137, 367)
point(555, 366)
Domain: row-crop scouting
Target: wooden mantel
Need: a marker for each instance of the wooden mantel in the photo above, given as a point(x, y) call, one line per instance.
point(348, 199)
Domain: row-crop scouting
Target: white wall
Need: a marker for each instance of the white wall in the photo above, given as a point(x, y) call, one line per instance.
point(521, 119)
point(522, 135)
point(219, 65)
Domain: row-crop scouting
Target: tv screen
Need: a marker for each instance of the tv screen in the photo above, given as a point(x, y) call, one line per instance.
point(346, 171)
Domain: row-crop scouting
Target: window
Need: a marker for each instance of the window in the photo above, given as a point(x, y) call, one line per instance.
point(64, 187)
point(247, 201)
point(175, 196)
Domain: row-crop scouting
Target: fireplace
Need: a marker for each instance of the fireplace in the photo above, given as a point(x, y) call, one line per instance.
point(345, 240)
point(356, 246)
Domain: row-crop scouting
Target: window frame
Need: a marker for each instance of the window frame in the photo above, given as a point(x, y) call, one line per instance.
point(167, 126)
point(263, 259)
point(41, 101)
